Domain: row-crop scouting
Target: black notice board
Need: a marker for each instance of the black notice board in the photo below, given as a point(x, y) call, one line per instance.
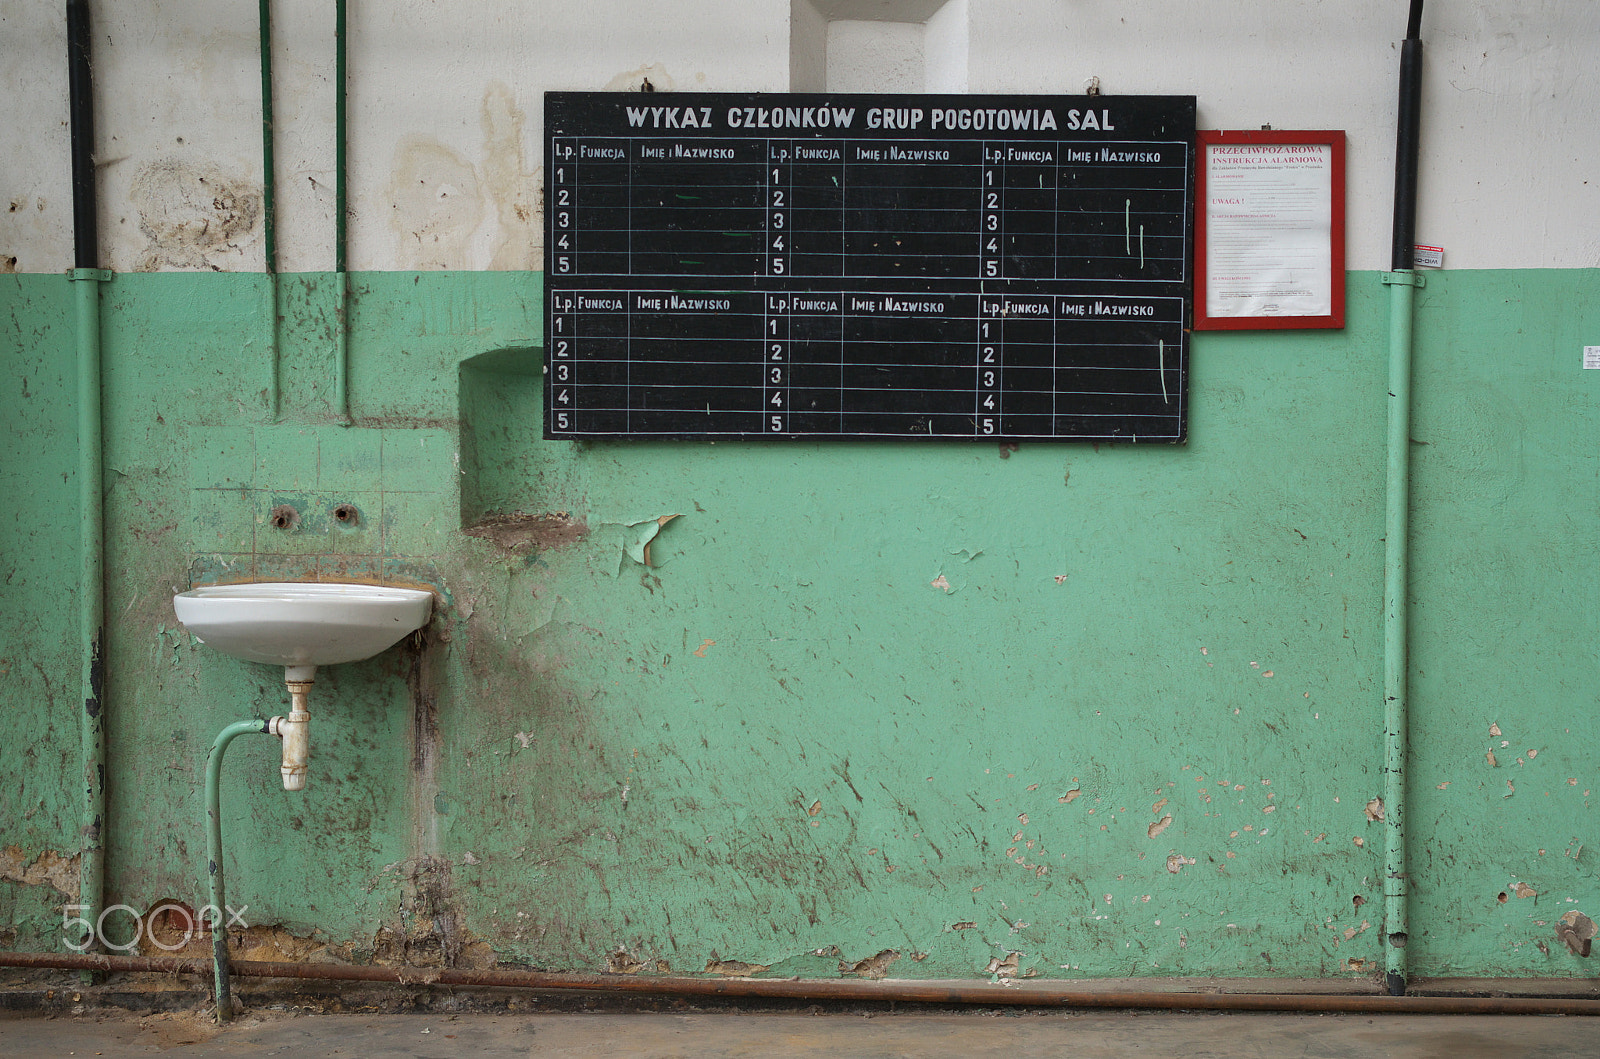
point(996, 267)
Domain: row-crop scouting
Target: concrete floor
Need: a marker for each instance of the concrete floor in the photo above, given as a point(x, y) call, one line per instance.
point(1089, 1035)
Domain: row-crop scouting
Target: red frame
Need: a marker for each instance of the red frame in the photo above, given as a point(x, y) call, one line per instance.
point(1203, 139)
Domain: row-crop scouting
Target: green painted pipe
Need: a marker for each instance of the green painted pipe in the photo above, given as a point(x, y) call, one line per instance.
point(219, 896)
point(1402, 299)
point(1403, 282)
point(341, 352)
point(87, 276)
point(269, 216)
point(91, 588)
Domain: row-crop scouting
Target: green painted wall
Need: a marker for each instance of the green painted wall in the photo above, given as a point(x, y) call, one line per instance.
point(938, 699)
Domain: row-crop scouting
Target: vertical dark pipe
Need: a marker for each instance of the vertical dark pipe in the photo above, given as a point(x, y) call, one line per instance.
point(269, 198)
point(341, 208)
point(341, 38)
point(85, 228)
point(1407, 136)
point(269, 215)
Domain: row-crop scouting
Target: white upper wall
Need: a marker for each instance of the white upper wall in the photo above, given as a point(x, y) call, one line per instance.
point(446, 107)
point(1510, 134)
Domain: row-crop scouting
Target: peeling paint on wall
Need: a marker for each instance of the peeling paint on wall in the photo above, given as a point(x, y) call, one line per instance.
point(48, 868)
point(520, 534)
point(635, 538)
point(872, 967)
point(1576, 931)
point(733, 968)
point(621, 961)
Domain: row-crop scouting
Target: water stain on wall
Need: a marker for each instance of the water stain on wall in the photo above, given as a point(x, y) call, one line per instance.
point(434, 204)
point(655, 73)
point(194, 216)
point(513, 189)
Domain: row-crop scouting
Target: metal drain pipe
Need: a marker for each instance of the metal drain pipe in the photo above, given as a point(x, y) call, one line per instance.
point(269, 217)
point(341, 210)
point(992, 994)
point(1402, 281)
point(86, 275)
point(214, 873)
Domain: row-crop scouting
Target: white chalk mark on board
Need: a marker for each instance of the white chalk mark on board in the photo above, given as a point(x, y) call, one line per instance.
point(1161, 354)
point(1127, 226)
point(1141, 246)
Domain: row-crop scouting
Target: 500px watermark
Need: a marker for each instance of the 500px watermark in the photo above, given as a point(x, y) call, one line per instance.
point(196, 923)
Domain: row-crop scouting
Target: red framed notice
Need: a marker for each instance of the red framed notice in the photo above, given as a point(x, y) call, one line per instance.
point(1269, 230)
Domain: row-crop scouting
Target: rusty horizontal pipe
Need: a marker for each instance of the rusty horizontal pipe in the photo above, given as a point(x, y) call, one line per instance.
point(1031, 994)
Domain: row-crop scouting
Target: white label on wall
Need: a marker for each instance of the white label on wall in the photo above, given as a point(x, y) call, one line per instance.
point(1427, 257)
point(1591, 356)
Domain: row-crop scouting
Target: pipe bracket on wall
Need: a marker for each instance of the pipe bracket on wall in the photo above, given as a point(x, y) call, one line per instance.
point(99, 275)
point(1409, 279)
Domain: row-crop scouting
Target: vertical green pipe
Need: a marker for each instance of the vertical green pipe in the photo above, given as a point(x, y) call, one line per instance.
point(1403, 282)
point(87, 277)
point(341, 211)
point(269, 215)
point(219, 894)
point(91, 586)
point(1402, 297)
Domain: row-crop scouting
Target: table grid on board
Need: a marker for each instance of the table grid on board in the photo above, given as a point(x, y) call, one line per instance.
point(821, 208)
point(892, 363)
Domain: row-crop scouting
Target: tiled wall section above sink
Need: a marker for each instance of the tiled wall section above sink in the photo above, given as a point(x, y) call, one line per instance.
point(318, 503)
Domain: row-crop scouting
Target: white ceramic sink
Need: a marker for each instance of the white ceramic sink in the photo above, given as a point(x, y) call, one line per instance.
point(302, 624)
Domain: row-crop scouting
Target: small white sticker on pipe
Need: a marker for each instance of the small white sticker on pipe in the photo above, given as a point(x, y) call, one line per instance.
point(1591, 356)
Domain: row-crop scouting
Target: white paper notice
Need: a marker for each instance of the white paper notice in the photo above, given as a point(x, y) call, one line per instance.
point(1269, 229)
point(1591, 356)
